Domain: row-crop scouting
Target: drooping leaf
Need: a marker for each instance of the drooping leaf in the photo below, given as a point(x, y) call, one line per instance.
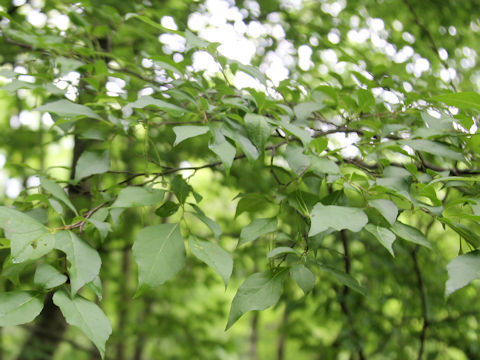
point(133, 196)
point(336, 217)
point(48, 277)
point(188, 131)
point(84, 261)
point(91, 163)
point(344, 278)
point(29, 239)
point(386, 208)
point(257, 228)
point(303, 277)
point(19, 307)
point(55, 189)
point(102, 227)
point(258, 292)
point(282, 250)
point(214, 256)
point(411, 234)
point(434, 148)
point(223, 149)
point(159, 252)
point(462, 270)
point(383, 235)
point(207, 221)
point(145, 101)
point(304, 110)
point(167, 209)
point(87, 316)
point(68, 109)
point(258, 130)
point(180, 188)
point(463, 100)
point(297, 161)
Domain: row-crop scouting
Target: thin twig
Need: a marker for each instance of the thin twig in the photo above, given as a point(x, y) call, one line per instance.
point(423, 298)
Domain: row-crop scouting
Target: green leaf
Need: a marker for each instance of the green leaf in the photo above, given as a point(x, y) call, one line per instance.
point(258, 292)
point(145, 101)
point(462, 100)
point(167, 209)
point(336, 217)
point(411, 234)
point(68, 109)
point(303, 277)
point(257, 228)
point(86, 316)
point(322, 165)
point(251, 203)
point(304, 110)
point(282, 250)
point(297, 161)
point(19, 307)
point(57, 191)
point(133, 196)
point(462, 270)
point(91, 163)
point(29, 239)
point(383, 235)
point(102, 227)
point(214, 256)
point(47, 277)
point(434, 148)
point(180, 188)
point(207, 221)
point(258, 130)
point(298, 132)
point(223, 149)
point(159, 252)
point(194, 42)
point(188, 131)
point(344, 278)
point(386, 208)
point(84, 260)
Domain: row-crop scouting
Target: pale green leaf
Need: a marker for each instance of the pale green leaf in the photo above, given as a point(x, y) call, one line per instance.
point(48, 277)
point(19, 307)
point(282, 250)
point(462, 270)
point(386, 208)
point(68, 109)
point(134, 196)
point(304, 110)
point(257, 228)
point(297, 161)
point(188, 131)
point(303, 277)
point(84, 261)
point(411, 234)
point(29, 239)
point(207, 221)
point(336, 217)
point(258, 292)
point(383, 235)
point(57, 191)
point(258, 130)
point(304, 136)
point(463, 100)
point(322, 165)
point(159, 252)
point(87, 316)
point(223, 149)
point(145, 101)
point(214, 256)
point(91, 163)
point(434, 148)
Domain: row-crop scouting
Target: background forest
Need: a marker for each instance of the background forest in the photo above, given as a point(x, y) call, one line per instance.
point(170, 168)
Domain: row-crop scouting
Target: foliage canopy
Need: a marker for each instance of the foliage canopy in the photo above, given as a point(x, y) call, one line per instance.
point(170, 187)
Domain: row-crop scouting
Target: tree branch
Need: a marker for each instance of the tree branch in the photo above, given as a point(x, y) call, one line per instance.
point(423, 298)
